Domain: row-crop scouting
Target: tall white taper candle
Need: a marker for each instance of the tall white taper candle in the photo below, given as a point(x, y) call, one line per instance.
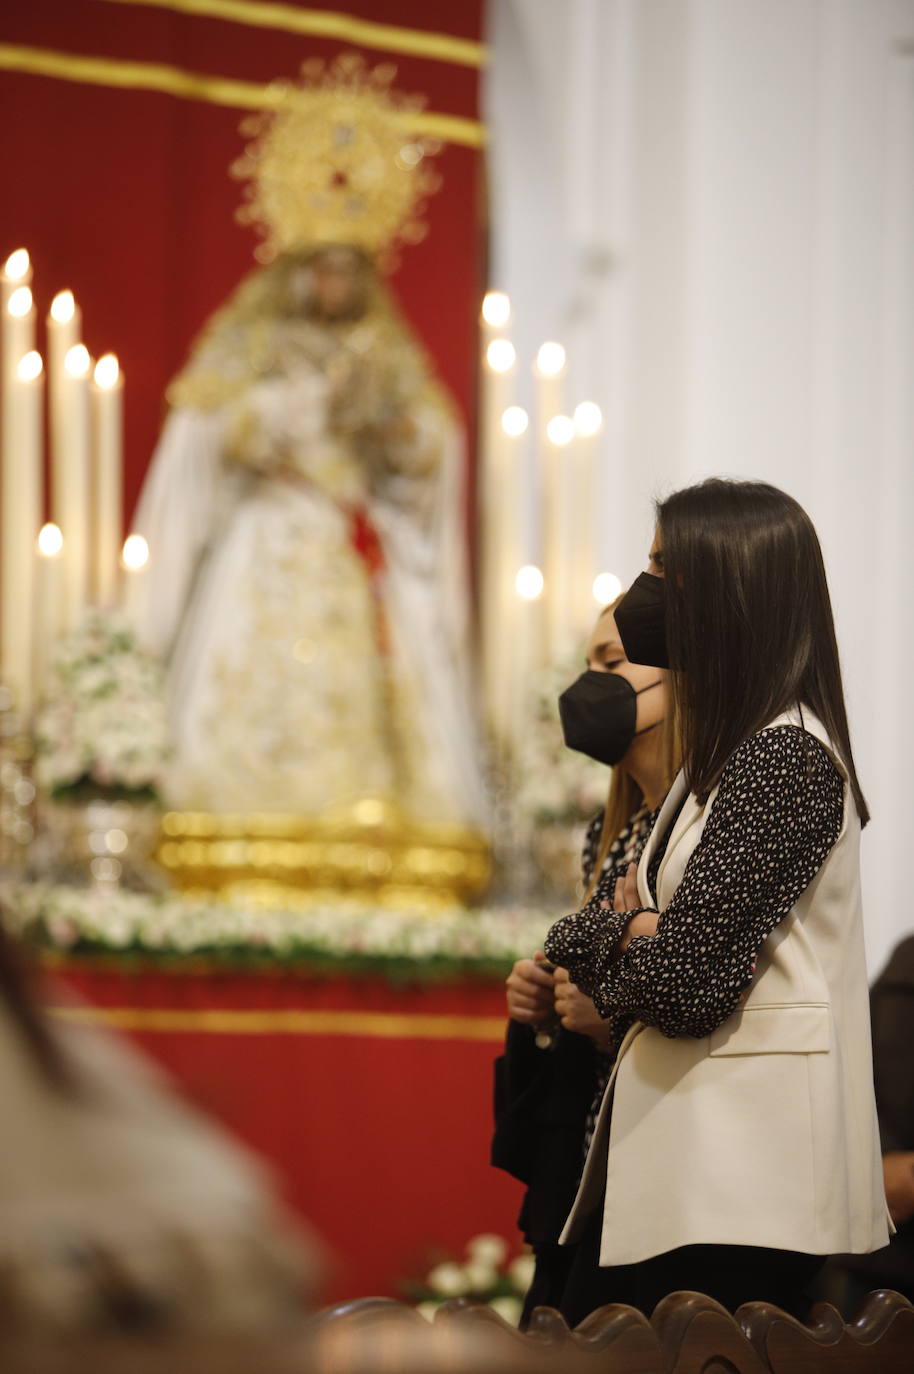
point(135, 563)
point(527, 649)
point(16, 272)
point(561, 536)
point(49, 601)
point(107, 484)
point(588, 425)
point(499, 361)
point(549, 375)
point(64, 325)
point(71, 490)
point(20, 516)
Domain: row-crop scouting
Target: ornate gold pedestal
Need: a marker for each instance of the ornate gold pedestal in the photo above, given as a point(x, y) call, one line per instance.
point(366, 848)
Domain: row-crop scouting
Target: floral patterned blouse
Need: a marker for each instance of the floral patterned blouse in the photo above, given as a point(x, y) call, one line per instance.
point(777, 814)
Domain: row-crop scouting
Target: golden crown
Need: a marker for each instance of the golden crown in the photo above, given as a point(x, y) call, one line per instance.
point(337, 159)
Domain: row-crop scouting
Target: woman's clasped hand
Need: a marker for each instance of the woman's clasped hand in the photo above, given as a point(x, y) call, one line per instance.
point(542, 996)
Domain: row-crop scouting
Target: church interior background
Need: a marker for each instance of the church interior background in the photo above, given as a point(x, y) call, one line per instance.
point(343, 351)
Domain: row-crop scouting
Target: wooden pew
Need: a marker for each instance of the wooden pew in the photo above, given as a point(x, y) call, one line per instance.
point(687, 1334)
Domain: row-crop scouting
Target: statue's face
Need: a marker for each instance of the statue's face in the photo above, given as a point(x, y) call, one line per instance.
point(339, 284)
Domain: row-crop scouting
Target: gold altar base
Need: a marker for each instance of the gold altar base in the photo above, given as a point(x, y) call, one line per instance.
point(364, 849)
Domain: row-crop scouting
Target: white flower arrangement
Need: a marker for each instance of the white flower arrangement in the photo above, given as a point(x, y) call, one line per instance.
point(552, 783)
point(485, 1275)
point(331, 933)
point(102, 730)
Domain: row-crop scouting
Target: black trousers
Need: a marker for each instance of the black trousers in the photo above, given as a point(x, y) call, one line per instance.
point(731, 1274)
point(553, 1264)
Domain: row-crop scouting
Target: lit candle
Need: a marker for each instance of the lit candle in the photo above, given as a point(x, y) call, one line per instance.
point(526, 652)
point(135, 562)
point(508, 555)
point(64, 330)
point(108, 419)
point(499, 363)
point(588, 425)
point(17, 340)
point(71, 490)
point(48, 623)
point(20, 515)
point(549, 373)
point(16, 272)
point(606, 587)
point(560, 535)
point(18, 336)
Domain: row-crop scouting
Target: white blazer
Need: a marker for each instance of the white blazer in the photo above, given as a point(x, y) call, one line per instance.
point(764, 1132)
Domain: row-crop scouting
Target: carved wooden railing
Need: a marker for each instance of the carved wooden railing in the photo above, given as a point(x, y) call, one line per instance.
point(688, 1334)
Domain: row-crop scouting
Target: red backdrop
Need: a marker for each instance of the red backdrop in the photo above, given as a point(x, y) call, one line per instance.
point(378, 1127)
point(124, 195)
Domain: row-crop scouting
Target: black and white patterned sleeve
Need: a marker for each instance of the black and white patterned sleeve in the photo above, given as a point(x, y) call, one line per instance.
point(777, 814)
point(590, 847)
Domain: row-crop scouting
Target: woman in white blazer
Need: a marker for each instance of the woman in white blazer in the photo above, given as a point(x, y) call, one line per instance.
point(737, 1144)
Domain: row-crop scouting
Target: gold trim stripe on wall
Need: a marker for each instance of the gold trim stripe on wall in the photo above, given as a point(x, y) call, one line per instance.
point(266, 14)
point(216, 90)
point(366, 1024)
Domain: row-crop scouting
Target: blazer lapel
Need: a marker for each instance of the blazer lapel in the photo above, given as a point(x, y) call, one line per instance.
point(667, 811)
point(691, 813)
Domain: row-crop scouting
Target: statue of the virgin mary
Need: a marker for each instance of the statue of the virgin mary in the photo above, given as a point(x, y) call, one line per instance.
point(304, 508)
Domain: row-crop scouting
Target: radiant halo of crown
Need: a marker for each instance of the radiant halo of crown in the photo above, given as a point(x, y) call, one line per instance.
point(337, 159)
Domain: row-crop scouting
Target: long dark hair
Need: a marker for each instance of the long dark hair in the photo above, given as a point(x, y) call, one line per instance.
point(750, 630)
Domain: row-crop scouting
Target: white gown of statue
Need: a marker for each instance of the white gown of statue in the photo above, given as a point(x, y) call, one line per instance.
point(307, 581)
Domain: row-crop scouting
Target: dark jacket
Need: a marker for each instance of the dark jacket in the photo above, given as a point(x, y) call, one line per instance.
point(892, 1013)
point(542, 1097)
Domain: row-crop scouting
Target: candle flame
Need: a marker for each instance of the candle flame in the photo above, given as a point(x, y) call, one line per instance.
point(135, 553)
point(514, 421)
point(107, 371)
point(606, 587)
point(50, 541)
point(529, 583)
point(588, 418)
point(496, 309)
point(500, 355)
point(77, 362)
point(550, 360)
point(20, 302)
point(63, 307)
point(17, 265)
point(560, 430)
point(30, 367)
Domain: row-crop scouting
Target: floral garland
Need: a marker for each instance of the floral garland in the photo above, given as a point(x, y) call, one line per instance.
point(330, 936)
point(102, 728)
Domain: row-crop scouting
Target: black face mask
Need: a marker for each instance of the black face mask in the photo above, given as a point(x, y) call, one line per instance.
point(598, 714)
point(641, 621)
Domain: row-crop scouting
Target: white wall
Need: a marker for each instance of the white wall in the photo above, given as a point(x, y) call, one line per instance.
point(711, 203)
